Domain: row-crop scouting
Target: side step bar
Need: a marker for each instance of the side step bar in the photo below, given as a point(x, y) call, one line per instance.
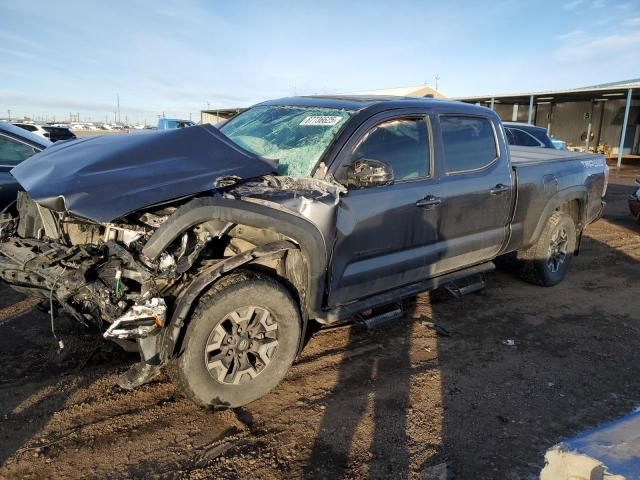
point(342, 312)
point(477, 282)
point(378, 319)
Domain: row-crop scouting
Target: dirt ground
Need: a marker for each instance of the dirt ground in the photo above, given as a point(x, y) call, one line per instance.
point(400, 402)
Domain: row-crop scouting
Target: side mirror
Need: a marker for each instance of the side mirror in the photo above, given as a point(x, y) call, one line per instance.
point(367, 172)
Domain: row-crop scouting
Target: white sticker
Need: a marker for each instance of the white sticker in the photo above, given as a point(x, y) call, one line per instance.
point(321, 121)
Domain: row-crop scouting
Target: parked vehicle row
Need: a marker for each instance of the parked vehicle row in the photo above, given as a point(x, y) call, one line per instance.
point(217, 248)
point(50, 132)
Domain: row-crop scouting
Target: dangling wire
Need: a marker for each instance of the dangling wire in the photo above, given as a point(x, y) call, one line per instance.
point(53, 328)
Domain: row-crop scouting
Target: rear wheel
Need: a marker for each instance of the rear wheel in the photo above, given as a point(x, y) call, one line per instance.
point(547, 261)
point(241, 341)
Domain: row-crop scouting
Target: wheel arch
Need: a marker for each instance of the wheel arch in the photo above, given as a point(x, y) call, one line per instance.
point(297, 241)
point(571, 201)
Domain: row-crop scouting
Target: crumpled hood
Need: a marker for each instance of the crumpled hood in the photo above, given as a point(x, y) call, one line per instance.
point(105, 177)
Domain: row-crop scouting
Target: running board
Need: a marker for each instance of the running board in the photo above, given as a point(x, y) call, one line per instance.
point(478, 283)
point(377, 320)
point(343, 312)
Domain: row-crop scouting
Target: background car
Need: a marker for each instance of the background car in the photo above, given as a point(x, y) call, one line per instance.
point(559, 144)
point(59, 133)
point(634, 202)
point(16, 145)
point(30, 127)
point(527, 135)
point(170, 123)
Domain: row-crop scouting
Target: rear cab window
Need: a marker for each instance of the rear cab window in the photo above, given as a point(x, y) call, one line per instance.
point(469, 143)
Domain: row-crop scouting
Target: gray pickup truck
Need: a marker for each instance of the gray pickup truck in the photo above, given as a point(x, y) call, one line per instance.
point(217, 248)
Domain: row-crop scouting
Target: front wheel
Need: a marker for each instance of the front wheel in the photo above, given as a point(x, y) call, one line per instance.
point(547, 261)
point(241, 340)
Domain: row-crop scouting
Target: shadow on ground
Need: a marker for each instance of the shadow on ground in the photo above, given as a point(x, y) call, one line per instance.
point(398, 402)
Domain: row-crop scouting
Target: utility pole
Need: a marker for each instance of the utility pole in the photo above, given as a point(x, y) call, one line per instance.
point(437, 78)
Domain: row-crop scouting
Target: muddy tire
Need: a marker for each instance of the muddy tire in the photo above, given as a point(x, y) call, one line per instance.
point(240, 342)
point(547, 261)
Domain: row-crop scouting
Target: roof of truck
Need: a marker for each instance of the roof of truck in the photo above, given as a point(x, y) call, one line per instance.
point(360, 102)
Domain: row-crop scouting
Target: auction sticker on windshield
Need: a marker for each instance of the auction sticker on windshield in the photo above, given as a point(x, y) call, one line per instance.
point(321, 120)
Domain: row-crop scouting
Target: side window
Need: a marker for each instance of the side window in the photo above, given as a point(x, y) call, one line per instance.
point(469, 143)
point(401, 143)
point(13, 152)
point(523, 138)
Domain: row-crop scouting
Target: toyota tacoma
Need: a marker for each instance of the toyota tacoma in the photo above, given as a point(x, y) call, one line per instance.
point(217, 249)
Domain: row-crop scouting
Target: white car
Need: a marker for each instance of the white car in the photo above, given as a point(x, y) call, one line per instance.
point(30, 127)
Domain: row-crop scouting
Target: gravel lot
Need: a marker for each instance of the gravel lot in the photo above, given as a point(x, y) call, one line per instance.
point(398, 402)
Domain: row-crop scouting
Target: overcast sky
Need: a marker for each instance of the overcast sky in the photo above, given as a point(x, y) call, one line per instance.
point(177, 56)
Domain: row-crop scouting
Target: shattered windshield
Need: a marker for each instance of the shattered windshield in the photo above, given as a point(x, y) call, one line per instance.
point(294, 136)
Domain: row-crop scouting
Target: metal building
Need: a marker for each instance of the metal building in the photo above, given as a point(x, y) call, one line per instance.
point(218, 115)
point(601, 117)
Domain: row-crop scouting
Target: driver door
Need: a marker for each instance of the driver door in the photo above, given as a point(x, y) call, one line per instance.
point(387, 236)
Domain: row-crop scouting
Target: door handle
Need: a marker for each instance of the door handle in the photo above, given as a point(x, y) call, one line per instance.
point(429, 201)
point(498, 189)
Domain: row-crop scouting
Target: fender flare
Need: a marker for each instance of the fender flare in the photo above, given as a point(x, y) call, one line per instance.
point(185, 301)
point(560, 198)
point(309, 238)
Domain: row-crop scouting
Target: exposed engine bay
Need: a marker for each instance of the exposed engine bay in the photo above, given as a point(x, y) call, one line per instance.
point(99, 273)
point(96, 271)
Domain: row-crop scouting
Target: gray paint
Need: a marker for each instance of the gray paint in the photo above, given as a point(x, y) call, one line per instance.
point(106, 177)
point(364, 242)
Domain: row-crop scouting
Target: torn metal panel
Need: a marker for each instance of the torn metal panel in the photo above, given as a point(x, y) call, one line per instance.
point(87, 177)
point(314, 199)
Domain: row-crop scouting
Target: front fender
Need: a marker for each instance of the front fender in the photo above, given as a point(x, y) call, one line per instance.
point(310, 240)
point(186, 299)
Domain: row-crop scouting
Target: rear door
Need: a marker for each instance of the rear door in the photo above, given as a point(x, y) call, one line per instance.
point(387, 235)
point(476, 189)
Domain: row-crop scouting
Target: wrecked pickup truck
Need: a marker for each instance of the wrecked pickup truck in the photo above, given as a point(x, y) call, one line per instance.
point(217, 249)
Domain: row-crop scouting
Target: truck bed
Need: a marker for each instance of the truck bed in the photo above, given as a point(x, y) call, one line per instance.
point(533, 155)
point(543, 173)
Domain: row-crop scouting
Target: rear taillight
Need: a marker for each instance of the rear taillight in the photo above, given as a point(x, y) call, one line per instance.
point(606, 178)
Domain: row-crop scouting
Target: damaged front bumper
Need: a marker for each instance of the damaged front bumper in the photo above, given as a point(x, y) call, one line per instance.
point(90, 283)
